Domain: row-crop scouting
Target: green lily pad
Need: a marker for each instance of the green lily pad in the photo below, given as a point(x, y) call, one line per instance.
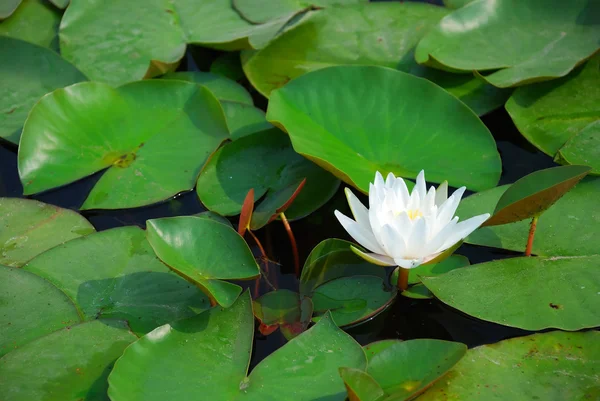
point(353, 299)
point(405, 369)
point(451, 263)
point(285, 310)
point(8, 7)
point(228, 65)
point(154, 136)
point(244, 119)
point(216, 346)
point(417, 291)
point(223, 88)
point(34, 21)
point(551, 366)
point(570, 227)
point(115, 274)
point(204, 252)
point(531, 293)
point(29, 227)
point(62, 4)
point(360, 386)
point(143, 42)
point(30, 307)
point(266, 162)
point(383, 34)
point(550, 113)
point(583, 148)
point(324, 113)
point(456, 3)
point(503, 37)
point(32, 72)
point(262, 11)
point(69, 364)
point(533, 194)
point(332, 259)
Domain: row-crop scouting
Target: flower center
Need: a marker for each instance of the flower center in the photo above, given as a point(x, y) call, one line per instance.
point(414, 214)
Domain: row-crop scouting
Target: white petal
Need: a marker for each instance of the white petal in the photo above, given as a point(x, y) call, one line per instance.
point(359, 233)
point(359, 211)
point(401, 191)
point(463, 229)
point(403, 225)
point(421, 186)
point(379, 183)
point(393, 242)
point(418, 239)
point(441, 194)
point(374, 258)
point(429, 202)
point(448, 208)
point(415, 200)
point(374, 199)
point(390, 181)
point(408, 263)
point(439, 239)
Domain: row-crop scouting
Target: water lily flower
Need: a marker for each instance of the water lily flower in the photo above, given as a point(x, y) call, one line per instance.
point(406, 229)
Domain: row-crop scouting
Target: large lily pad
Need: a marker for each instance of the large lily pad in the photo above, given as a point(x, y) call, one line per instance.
point(521, 42)
point(70, 364)
point(207, 356)
point(570, 227)
point(223, 88)
point(115, 274)
point(29, 227)
point(8, 7)
point(383, 34)
point(267, 163)
point(30, 307)
point(32, 72)
point(244, 119)
point(115, 43)
point(205, 252)
point(533, 194)
point(583, 148)
point(552, 366)
point(550, 113)
point(262, 11)
point(34, 21)
point(531, 293)
point(355, 120)
point(154, 136)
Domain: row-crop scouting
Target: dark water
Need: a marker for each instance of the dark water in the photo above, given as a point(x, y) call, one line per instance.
point(405, 319)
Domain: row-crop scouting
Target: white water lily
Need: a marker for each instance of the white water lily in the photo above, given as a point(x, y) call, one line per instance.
point(406, 229)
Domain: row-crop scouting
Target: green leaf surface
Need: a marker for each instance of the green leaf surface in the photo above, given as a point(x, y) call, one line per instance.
point(7, 7)
point(228, 65)
point(216, 345)
point(570, 227)
point(115, 43)
point(30, 308)
point(553, 366)
point(352, 300)
point(62, 4)
point(115, 274)
point(29, 227)
point(456, 3)
point(417, 291)
point(583, 148)
point(223, 88)
point(533, 194)
point(451, 263)
point(261, 11)
point(407, 368)
point(285, 310)
point(69, 364)
point(548, 114)
point(266, 162)
point(383, 34)
point(32, 72)
point(244, 119)
point(354, 121)
point(153, 136)
point(204, 252)
point(332, 259)
point(531, 293)
point(34, 21)
point(519, 42)
point(360, 386)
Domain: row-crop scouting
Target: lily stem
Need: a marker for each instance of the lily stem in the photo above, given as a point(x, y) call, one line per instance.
point(265, 260)
point(402, 279)
point(290, 233)
point(532, 228)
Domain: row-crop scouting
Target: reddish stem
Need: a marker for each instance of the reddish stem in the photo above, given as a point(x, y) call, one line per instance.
point(402, 279)
point(532, 228)
point(286, 223)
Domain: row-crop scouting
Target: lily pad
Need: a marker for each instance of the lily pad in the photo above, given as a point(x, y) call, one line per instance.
point(115, 43)
point(115, 274)
point(29, 227)
point(502, 36)
point(8, 7)
point(223, 88)
point(456, 3)
point(583, 148)
point(325, 112)
point(267, 163)
point(570, 227)
point(285, 310)
point(262, 11)
point(204, 252)
point(154, 136)
point(228, 65)
point(361, 386)
point(353, 299)
point(34, 21)
point(552, 366)
point(32, 72)
point(244, 119)
point(531, 293)
point(30, 308)
point(69, 364)
point(216, 347)
point(383, 34)
point(550, 113)
point(533, 194)
point(62, 4)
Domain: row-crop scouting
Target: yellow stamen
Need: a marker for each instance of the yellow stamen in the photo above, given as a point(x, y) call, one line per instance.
point(414, 213)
